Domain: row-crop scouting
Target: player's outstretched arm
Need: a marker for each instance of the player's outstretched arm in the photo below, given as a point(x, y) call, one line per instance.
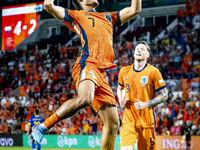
point(129, 12)
point(57, 11)
point(162, 96)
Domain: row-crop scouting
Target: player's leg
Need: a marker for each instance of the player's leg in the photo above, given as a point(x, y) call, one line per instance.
point(85, 97)
point(110, 119)
point(70, 107)
point(33, 145)
point(104, 103)
point(147, 140)
point(39, 147)
point(128, 137)
point(187, 145)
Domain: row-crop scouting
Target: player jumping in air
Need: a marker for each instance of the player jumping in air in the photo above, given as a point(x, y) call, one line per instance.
point(141, 81)
point(95, 31)
point(35, 120)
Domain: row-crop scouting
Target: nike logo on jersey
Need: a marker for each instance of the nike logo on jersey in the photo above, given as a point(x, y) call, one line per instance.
point(127, 79)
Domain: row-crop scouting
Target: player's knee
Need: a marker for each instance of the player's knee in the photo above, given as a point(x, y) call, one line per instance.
point(113, 126)
point(116, 125)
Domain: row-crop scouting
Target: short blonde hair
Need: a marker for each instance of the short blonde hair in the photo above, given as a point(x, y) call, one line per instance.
point(148, 48)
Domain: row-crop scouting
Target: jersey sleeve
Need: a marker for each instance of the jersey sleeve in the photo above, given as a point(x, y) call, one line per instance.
point(159, 83)
point(42, 120)
point(120, 78)
point(70, 16)
point(116, 18)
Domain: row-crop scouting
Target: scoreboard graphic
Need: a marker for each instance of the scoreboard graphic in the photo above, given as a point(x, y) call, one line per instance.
point(18, 22)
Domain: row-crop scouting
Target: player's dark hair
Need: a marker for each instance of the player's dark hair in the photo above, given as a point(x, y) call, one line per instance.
point(76, 4)
point(37, 111)
point(148, 48)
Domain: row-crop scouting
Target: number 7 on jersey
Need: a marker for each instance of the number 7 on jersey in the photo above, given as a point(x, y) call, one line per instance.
point(92, 21)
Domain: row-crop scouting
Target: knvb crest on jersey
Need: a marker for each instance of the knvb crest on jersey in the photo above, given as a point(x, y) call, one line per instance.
point(108, 17)
point(144, 80)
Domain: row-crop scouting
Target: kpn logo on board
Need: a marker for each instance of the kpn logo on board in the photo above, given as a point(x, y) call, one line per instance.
point(94, 141)
point(62, 141)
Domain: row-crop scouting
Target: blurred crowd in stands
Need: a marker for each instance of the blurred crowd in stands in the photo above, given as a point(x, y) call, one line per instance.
point(32, 78)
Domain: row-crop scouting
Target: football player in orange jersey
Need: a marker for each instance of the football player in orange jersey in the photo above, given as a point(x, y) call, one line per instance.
point(95, 31)
point(140, 81)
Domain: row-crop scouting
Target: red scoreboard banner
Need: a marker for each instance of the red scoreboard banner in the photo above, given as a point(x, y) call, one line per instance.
point(18, 22)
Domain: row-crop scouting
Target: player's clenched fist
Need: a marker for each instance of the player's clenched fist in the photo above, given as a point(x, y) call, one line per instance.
point(140, 105)
point(123, 101)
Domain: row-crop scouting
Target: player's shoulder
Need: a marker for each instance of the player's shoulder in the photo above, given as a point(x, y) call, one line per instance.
point(126, 68)
point(105, 12)
point(75, 11)
point(152, 68)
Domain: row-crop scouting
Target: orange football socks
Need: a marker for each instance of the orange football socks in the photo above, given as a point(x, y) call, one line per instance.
point(51, 121)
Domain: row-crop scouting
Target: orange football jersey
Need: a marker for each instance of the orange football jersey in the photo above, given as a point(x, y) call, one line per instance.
point(140, 85)
point(96, 33)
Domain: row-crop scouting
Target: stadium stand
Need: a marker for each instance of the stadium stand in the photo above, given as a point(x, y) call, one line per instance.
point(44, 80)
